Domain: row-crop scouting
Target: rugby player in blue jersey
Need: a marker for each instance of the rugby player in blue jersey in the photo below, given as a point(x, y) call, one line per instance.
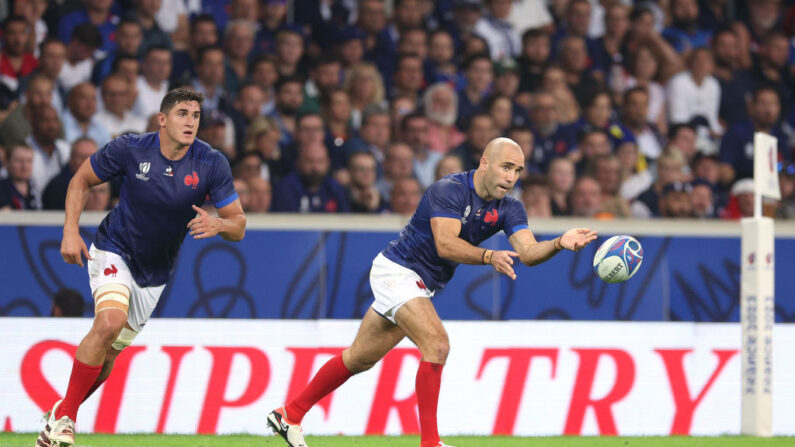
point(166, 176)
point(455, 214)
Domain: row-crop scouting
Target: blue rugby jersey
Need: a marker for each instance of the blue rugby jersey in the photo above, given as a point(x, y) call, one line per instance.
point(452, 196)
point(149, 224)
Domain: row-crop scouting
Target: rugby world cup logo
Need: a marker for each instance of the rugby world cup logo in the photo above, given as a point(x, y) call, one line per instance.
point(144, 169)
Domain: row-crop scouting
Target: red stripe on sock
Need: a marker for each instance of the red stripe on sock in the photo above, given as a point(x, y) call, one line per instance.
point(82, 378)
point(427, 384)
point(330, 376)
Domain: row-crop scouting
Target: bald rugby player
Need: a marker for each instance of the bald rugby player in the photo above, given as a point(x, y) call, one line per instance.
point(456, 213)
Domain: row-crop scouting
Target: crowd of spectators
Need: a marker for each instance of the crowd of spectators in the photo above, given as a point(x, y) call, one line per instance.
point(623, 108)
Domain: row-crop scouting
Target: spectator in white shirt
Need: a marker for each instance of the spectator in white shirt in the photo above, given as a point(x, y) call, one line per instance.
point(501, 35)
point(116, 115)
point(50, 153)
point(80, 118)
point(695, 93)
point(529, 14)
point(79, 63)
point(152, 84)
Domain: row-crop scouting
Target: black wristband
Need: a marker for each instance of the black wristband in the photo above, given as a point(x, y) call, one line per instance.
point(483, 257)
point(555, 244)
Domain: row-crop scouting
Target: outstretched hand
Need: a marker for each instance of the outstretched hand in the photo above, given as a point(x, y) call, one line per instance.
point(502, 261)
point(203, 225)
point(577, 238)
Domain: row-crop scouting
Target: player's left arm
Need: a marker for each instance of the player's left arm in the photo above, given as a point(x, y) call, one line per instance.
point(532, 252)
point(230, 223)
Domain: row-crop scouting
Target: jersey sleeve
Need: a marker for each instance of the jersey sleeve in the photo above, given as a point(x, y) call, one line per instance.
point(515, 218)
point(108, 162)
point(447, 198)
point(222, 188)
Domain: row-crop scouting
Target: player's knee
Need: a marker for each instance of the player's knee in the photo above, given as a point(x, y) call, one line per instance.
point(437, 350)
point(356, 363)
point(111, 303)
point(107, 329)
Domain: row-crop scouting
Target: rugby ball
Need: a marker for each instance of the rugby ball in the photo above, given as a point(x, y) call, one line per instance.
point(618, 259)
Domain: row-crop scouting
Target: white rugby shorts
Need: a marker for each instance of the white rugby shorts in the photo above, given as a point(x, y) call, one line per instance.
point(393, 286)
point(110, 268)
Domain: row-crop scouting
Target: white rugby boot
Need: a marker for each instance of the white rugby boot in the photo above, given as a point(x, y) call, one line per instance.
point(44, 437)
point(62, 432)
point(291, 432)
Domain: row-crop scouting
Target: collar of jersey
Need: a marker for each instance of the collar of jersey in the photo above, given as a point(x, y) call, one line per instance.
point(166, 159)
point(471, 176)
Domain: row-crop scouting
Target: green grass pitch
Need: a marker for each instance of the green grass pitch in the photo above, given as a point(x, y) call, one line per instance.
point(27, 440)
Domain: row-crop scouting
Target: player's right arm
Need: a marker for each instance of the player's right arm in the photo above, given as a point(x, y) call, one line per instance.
point(451, 247)
point(72, 245)
point(100, 167)
point(448, 200)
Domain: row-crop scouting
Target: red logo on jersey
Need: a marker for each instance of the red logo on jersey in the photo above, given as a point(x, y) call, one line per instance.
point(421, 285)
point(111, 271)
point(491, 217)
point(192, 180)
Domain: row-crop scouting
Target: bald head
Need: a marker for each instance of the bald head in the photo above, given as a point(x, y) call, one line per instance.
point(500, 148)
point(500, 166)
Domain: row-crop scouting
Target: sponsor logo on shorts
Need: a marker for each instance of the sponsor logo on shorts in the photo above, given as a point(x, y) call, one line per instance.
point(111, 271)
point(421, 285)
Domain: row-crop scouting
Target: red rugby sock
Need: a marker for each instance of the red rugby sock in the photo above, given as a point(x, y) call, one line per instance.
point(427, 384)
point(80, 382)
point(330, 376)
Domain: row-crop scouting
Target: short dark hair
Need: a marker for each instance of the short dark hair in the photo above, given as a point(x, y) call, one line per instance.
point(534, 33)
point(152, 48)
point(518, 128)
point(765, 87)
point(474, 58)
point(326, 59)
point(304, 115)
point(15, 18)
point(204, 50)
point(288, 79)
point(49, 40)
point(261, 59)
point(404, 123)
point(70, 301)
point(676, 127)
point(88, 35)
point(633, 90)
point(202, 18)
point(404, 56)
point(177, 95)
point(587, 131)
point(129, 21)
point(477, 115)
point(121, 57)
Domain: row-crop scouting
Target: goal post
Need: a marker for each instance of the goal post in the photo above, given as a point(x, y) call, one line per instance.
point(757, 294)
